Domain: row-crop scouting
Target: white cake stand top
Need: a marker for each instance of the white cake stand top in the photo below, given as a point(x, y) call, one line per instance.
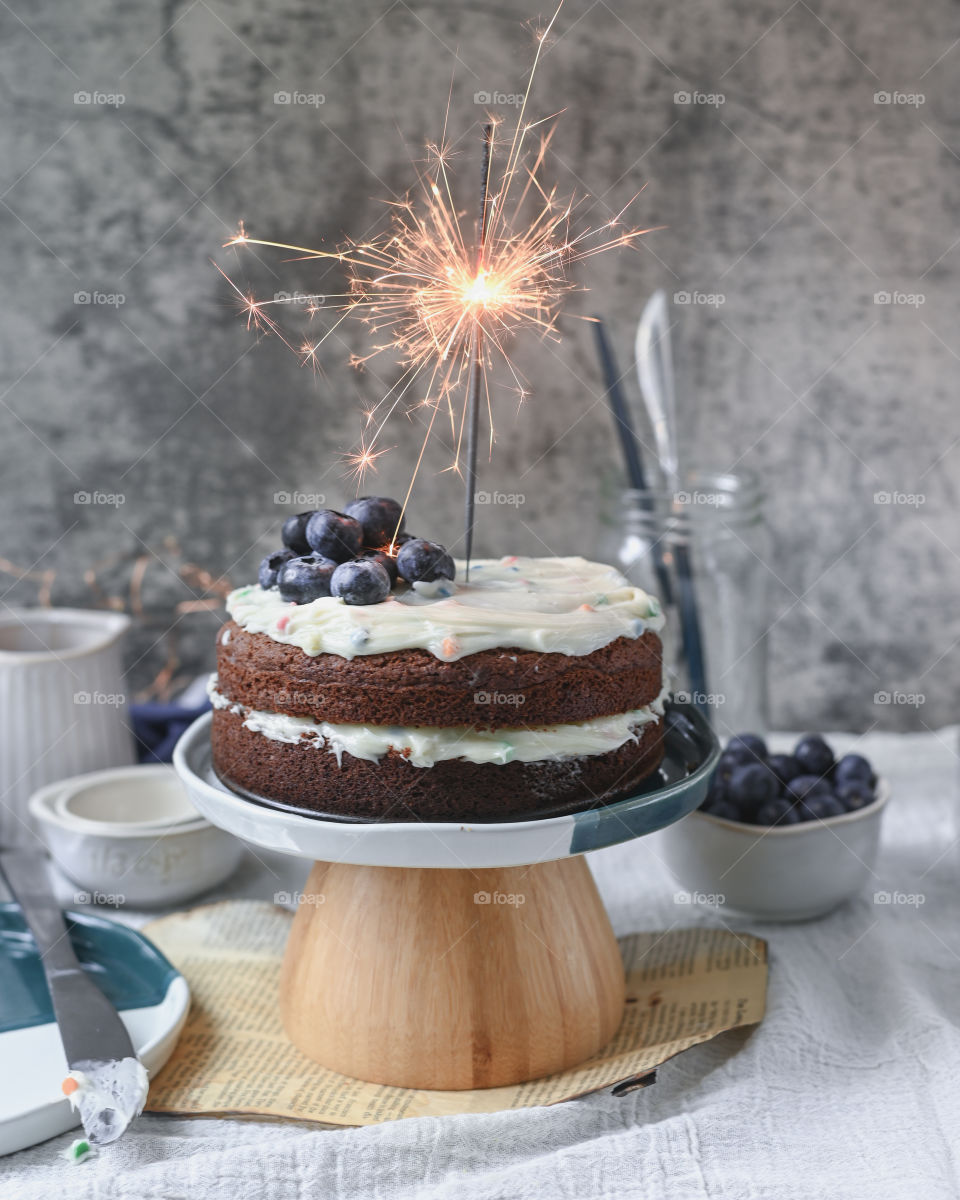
point(691, 753)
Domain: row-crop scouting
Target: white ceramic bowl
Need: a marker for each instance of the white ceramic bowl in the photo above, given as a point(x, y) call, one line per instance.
point(782, 873)
point(131, 836)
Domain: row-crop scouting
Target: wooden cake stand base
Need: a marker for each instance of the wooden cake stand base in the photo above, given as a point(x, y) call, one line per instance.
point(450, 979)
point(425, 955)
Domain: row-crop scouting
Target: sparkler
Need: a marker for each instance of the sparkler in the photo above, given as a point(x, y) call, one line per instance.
point(476, 358)
point(448, 305)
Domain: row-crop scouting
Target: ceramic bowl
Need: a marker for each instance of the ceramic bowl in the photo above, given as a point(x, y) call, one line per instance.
point(783, 873)
point(146, 796)
point(131, 836)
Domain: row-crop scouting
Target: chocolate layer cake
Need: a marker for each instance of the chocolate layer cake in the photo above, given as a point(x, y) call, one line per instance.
point(537, 684)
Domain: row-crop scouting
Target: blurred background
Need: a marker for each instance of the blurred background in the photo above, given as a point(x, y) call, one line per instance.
point(804, 158)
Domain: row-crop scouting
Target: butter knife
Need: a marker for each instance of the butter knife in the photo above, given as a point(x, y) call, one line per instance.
point(107, 1083)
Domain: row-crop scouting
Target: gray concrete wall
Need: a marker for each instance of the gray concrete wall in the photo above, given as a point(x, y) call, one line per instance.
point(797, 200)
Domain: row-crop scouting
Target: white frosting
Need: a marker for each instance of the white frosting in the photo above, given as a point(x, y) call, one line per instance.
point(108, 1095)
point(424, 746)
point(552, 605)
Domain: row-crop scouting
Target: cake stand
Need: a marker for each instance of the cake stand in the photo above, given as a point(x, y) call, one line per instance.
point(445, 955)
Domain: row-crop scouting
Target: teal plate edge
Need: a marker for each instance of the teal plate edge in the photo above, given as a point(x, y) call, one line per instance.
point(697, 746)
point(128, 968)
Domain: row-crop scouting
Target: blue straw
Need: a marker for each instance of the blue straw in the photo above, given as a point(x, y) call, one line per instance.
point(690, 626)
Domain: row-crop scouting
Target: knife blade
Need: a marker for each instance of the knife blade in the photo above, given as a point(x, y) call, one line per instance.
point(654, 359)
point(107, 1083)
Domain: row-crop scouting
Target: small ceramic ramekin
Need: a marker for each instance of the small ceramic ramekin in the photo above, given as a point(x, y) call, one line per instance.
point(131, 836)
point(778, 873)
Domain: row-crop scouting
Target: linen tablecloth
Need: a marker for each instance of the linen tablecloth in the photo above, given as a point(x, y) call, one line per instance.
point(849, 1088)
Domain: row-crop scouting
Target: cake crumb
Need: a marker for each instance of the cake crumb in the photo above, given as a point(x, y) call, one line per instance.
point(78, 1151)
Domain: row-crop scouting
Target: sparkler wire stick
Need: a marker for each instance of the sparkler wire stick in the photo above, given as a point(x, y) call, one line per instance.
point(476, 358)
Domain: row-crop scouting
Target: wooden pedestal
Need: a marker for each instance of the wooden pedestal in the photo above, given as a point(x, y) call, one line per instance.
point(450, 979)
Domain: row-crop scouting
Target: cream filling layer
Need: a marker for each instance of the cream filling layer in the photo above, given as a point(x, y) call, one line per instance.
point(550, 605)
point(424, 746)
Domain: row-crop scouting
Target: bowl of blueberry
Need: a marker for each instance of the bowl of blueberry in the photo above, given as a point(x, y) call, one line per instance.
point(782, 837)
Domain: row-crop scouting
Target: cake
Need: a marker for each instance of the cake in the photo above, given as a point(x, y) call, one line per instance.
point(535, 686)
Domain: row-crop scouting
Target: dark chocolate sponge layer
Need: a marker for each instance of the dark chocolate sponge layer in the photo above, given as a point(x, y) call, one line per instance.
point(493, 689)
point(309, 777)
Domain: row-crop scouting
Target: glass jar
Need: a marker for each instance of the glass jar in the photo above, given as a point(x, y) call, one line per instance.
point(702, 550)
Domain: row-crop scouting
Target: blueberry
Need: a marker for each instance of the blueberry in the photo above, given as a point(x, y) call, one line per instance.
point(747, 747)
point(682, 733)
point(813, 754)
point(389, 564)
point(423, 561)
point(726, 765)
point(294, 533)
point(680, 722)
point(716, 792)
point(362, 581)
point(267, 573)
point(724, 809)
point(379, 518)
point(777, 812)
point(784, 766)
point(853, 767)
point(857, 793)
point(304, 579)
point(819, 806)
point(750, 786)
point(333, 535)
point(806, 785)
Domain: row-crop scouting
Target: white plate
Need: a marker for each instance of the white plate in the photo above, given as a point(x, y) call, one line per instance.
point(32, 1062)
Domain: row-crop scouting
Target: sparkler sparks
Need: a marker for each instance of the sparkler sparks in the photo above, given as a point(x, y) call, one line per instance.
point(446, 298)
point(363, 459)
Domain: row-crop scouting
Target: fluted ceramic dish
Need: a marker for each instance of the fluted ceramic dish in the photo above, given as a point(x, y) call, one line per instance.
point(62, 701)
